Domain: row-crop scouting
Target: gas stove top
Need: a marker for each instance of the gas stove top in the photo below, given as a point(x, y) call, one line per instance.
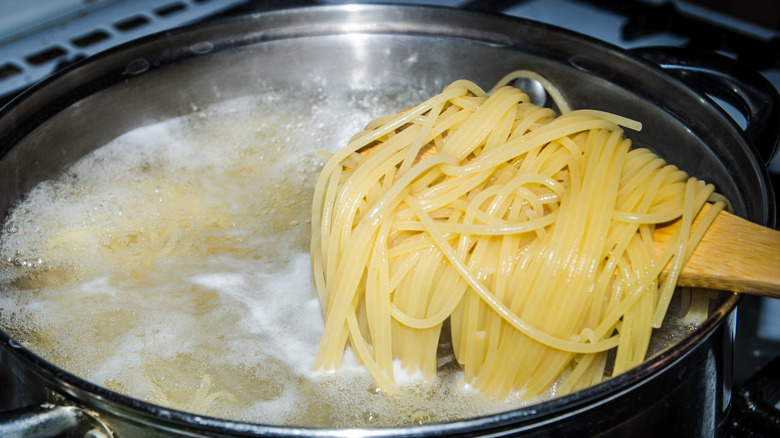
point(45, 35)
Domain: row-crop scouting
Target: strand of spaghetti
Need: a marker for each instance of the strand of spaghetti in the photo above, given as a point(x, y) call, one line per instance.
point(502, 128)
point(661, 262)
point(646, 218)
point(411, 244)
point(429, 321)
point(453, 90)
point(336, 159)
point(363, 351)
point(682, 235)
point(706, 221)
point(609, 320)
point(487, 297)
point(641, 164)
point(535, 139)
point(347, 276)
point(422, 138)
point(622, 237)
point(694, 203)
point(451, 190)
point(475, 129)
point(399, 274)
point(341, 235)
point(377, 296)
point(496, 193)
point(321, 222)
point(551, 89)
point(600, 191)
point(394, 194)
point(619, 120)
point(532, 116)
point(483, 230)
point(516, 187)
point(353, 190)
point(338, 308)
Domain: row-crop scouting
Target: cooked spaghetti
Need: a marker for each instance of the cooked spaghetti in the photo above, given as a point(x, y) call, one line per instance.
point(530, 231)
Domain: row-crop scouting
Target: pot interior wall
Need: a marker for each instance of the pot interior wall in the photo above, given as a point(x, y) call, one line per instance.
point(697, 141)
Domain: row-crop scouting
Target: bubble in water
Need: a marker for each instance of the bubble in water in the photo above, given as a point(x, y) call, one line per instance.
point(370, 416)
point(420, 417)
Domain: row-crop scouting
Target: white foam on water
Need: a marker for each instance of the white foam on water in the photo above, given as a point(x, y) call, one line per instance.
point(172, 265)
point(279, 306)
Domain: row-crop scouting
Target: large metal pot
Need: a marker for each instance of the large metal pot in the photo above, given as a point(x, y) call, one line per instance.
point(684, 391)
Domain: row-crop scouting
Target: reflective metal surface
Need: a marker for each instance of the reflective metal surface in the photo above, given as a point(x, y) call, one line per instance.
point(686, 389)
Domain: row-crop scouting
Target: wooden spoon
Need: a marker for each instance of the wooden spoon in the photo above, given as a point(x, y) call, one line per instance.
point(734, 255)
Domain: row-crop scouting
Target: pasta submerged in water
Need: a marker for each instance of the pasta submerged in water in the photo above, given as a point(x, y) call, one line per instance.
point(530, 231)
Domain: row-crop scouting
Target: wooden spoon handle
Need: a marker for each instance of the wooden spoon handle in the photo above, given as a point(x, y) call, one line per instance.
point(735, 255)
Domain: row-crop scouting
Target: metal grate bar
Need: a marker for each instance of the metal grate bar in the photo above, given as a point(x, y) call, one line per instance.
point(27, 56)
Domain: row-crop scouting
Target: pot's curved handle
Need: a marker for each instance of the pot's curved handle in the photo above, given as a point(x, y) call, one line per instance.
point(48, 420)
point(717, 75)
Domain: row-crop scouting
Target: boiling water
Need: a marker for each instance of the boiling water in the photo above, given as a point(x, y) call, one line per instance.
point(172, 265)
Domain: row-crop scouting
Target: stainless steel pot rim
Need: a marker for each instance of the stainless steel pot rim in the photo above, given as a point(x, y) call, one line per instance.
point(140, 410)
point(536, 414)
point(291, 23)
